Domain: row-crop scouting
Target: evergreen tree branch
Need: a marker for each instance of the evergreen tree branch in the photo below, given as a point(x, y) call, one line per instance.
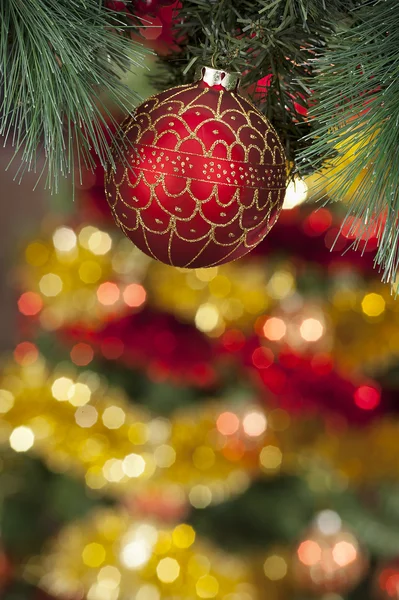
point(55, 58)
point(356, 106)
point(273, 39)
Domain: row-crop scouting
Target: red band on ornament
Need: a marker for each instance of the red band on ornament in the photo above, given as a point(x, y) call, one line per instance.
point(211, 170)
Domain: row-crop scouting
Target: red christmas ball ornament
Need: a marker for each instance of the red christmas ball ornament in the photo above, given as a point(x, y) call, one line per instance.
point(205, 177)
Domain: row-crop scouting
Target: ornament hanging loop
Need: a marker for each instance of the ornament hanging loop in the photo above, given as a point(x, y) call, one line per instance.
point(218, 77)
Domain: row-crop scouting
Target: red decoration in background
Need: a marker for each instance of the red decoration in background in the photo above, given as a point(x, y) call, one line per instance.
point(155, 342)
point(209, 179)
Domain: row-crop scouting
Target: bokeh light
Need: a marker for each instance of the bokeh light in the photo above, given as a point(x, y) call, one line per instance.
point(274, 329)
point(22, 439)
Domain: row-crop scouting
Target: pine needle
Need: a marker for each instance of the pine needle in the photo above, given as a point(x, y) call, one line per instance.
point(56, 57)
point(357, 106)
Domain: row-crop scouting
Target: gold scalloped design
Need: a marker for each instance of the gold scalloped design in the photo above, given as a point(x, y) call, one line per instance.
point(221, 200)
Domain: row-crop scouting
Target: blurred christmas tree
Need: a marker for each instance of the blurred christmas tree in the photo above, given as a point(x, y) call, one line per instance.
point(227, 433)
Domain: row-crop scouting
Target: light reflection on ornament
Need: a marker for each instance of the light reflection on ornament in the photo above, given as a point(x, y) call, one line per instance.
point(296, 193)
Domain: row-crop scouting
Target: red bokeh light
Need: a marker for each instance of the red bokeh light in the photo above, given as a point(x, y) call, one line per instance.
point(367, 397)
point(30, 303)
point(134, 295)
point(26, 354)
point(82, 354)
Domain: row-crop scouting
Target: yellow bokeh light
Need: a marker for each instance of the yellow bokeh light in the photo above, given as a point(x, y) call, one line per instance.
point(204, 458)
point(50, 284)
point(220, 286)
point(274, 329)
point(164, 456)
point(138, 433)
point(207, 317)
point(6, 401)
point(37, 254)
point(113, 417)
point(183, 536)
point(275, 567)
point(148, 592)
point(86, 416)
point(61, 388)
point(113, 470)
point(93, 555)
point(254, 423)
point(99, 242)
point(110, 577)
point(296, 193)
point(22, 439)
point(138, 546)
point(311, 330)
point(206, 274)
point(373, 305)
point(168, 570)
point(95, 478)
point(90, 271)
point(133, 465)
point(64, 239)
point(207, 586)
point(270, 457)
point(79, 394)
point(200, 496)
point(281, 285)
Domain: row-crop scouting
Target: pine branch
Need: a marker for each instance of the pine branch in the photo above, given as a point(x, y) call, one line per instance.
point(357, 106)
point(261, 38)
point(55, 58)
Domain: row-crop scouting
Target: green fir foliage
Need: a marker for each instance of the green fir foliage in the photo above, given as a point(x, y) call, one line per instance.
point(55, 58)
point(262, 38)
point(356, 91)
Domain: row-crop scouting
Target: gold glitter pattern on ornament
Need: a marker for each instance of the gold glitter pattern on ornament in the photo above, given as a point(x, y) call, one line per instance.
point(200, 172)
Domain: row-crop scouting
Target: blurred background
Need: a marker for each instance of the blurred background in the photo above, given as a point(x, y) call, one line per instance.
point(174, 434)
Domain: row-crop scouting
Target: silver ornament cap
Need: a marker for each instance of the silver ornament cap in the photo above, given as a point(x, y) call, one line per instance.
point(218, 77)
